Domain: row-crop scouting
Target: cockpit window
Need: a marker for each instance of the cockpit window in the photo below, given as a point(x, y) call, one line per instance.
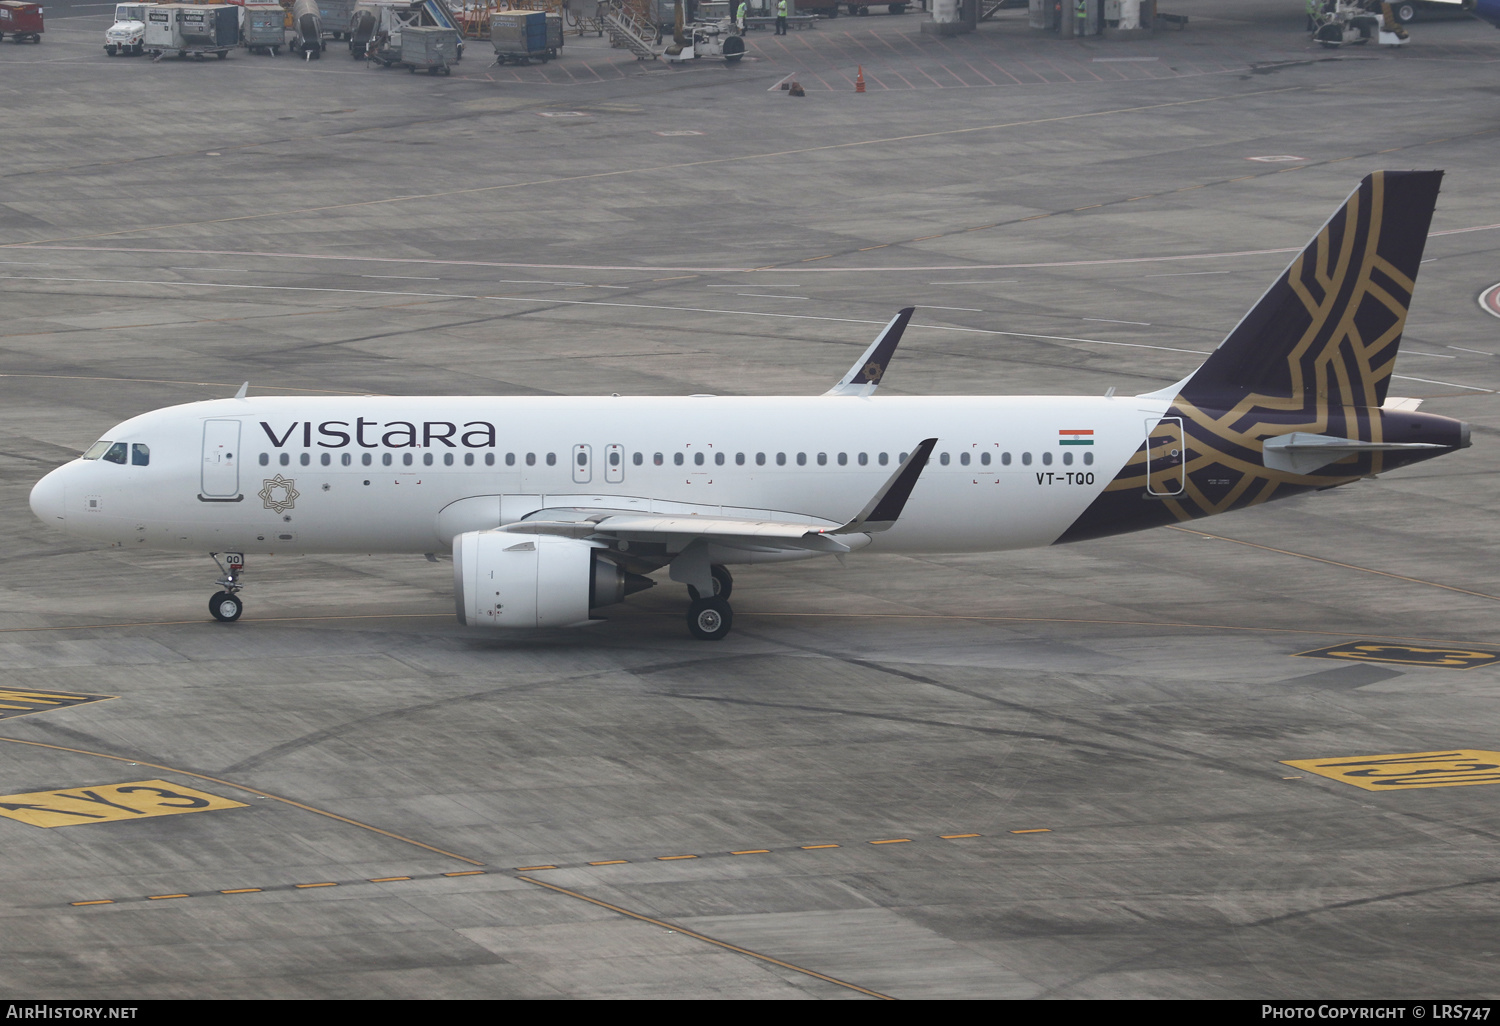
point(140, 455)
point(116, 453)
point(96, 450)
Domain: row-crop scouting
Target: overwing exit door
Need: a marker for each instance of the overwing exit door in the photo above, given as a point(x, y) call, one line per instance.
point(583, 459)
point(221, 458)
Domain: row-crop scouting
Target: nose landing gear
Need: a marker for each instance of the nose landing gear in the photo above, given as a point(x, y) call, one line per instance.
point(226, 606)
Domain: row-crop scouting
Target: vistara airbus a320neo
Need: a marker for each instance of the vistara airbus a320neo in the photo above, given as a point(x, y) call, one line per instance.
point(554, 508)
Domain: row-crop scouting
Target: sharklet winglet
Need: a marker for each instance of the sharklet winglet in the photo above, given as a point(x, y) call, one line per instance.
point(867, 371)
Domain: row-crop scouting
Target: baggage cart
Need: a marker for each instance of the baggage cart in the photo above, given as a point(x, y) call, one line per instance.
point(163, 31)
point(519, 36)
point(21, 21)
point(192, 29)
point(265, 28)
point(429, 48)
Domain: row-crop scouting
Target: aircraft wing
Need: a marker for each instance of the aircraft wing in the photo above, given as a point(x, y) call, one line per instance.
point(796, 531)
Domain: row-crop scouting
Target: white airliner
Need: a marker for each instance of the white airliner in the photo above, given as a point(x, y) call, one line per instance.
point(553, 508)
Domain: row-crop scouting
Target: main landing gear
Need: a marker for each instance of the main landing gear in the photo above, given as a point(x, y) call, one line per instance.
point(226, 606)
point(709, 619)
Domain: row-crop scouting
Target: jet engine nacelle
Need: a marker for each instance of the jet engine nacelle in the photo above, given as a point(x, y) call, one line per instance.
point(534, 580)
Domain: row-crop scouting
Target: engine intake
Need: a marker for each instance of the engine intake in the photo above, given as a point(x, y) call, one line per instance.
point(516, 580)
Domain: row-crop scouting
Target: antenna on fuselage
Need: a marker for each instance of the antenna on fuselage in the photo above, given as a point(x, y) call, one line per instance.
point(243, 390)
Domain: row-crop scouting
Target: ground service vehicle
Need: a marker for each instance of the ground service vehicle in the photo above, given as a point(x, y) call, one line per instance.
point(21, 21)
point(128, 34)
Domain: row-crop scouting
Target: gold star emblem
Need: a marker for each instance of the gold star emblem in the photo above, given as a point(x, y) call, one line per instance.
point(288, 490)
point(872, 371)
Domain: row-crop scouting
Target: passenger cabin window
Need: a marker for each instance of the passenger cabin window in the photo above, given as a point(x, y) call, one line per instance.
point(864, 459)
point(739, 459)
point(346, 459)
point(638, 458)
point(1046, 459)
point(100, 448)
point(286, 459)
point(552, 459)
point(1005, 458)
point(305, 459)
point(364, 458)
point(1026, 459)
point(802, 459)
point(698, 458)
point(963, 458)
point(677, 458)
point(531, 459)
point(760, 459)
point(1088, 459)
point(943, 459)
point(984, 458)
point(822, 459)
point(265, 458)
point(781, 459)
point(385, 459)
point(1067, 459)
point(326, 459)
point(657, 459)
point(140, 455)
point(510, 459)
point(883, 459)
point(718, 459)
point(406, 459)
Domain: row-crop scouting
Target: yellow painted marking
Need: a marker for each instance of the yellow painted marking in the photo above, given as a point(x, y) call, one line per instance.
point(926, 237)
point(867, 249)
point(1291, 778)
point(480, 872)
point(389, 879)
point(97, 901)
point(752, 851)
point(326, 883)
point(14, 702)
point(1408, 655)
point(670, 858)
point(825, 256)
point(706, 939)
point(162, 897)
point(1243, 178)
point(894, 840)
point(1091, 206)
point(242, 890)
point(109, 803)
point(810, 847)
point(1134, 198)
point(1454, 768)
point(1035, 217)
point(949, 837)
point(1039, 830)
point(981, 228)
point(531, 869)
point(241, 787)
point(611, 862)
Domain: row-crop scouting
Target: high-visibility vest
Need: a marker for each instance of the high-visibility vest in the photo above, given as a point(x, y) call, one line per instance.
point(744, 7)
point(781, 9)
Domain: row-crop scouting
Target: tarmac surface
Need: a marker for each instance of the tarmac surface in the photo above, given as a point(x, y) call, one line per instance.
point(1055, 773)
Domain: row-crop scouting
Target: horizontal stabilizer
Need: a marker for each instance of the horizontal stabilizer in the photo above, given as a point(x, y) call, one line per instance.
point(1304, 453)
point(869, 368)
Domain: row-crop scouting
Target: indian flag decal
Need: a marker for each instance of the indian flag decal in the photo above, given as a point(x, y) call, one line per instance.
point(1075, 436)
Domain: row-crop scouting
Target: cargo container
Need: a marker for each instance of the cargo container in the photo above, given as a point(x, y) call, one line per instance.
point(377, 25)
point(519, 36)
point(554, 33)
point(128, 34)
point(163, 33)
point(429, 48)
point(211, 27)
point(21, 21)
point(265, 28)
point(196, 29)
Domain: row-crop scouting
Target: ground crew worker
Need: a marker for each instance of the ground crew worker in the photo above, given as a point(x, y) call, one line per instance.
point(781, 17)
point(740, 15)
point(1081, 11)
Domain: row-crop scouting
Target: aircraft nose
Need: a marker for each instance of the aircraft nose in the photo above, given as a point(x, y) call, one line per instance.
point(47, 498)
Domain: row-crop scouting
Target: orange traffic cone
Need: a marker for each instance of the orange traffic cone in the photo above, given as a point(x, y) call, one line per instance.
point(859, 80)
